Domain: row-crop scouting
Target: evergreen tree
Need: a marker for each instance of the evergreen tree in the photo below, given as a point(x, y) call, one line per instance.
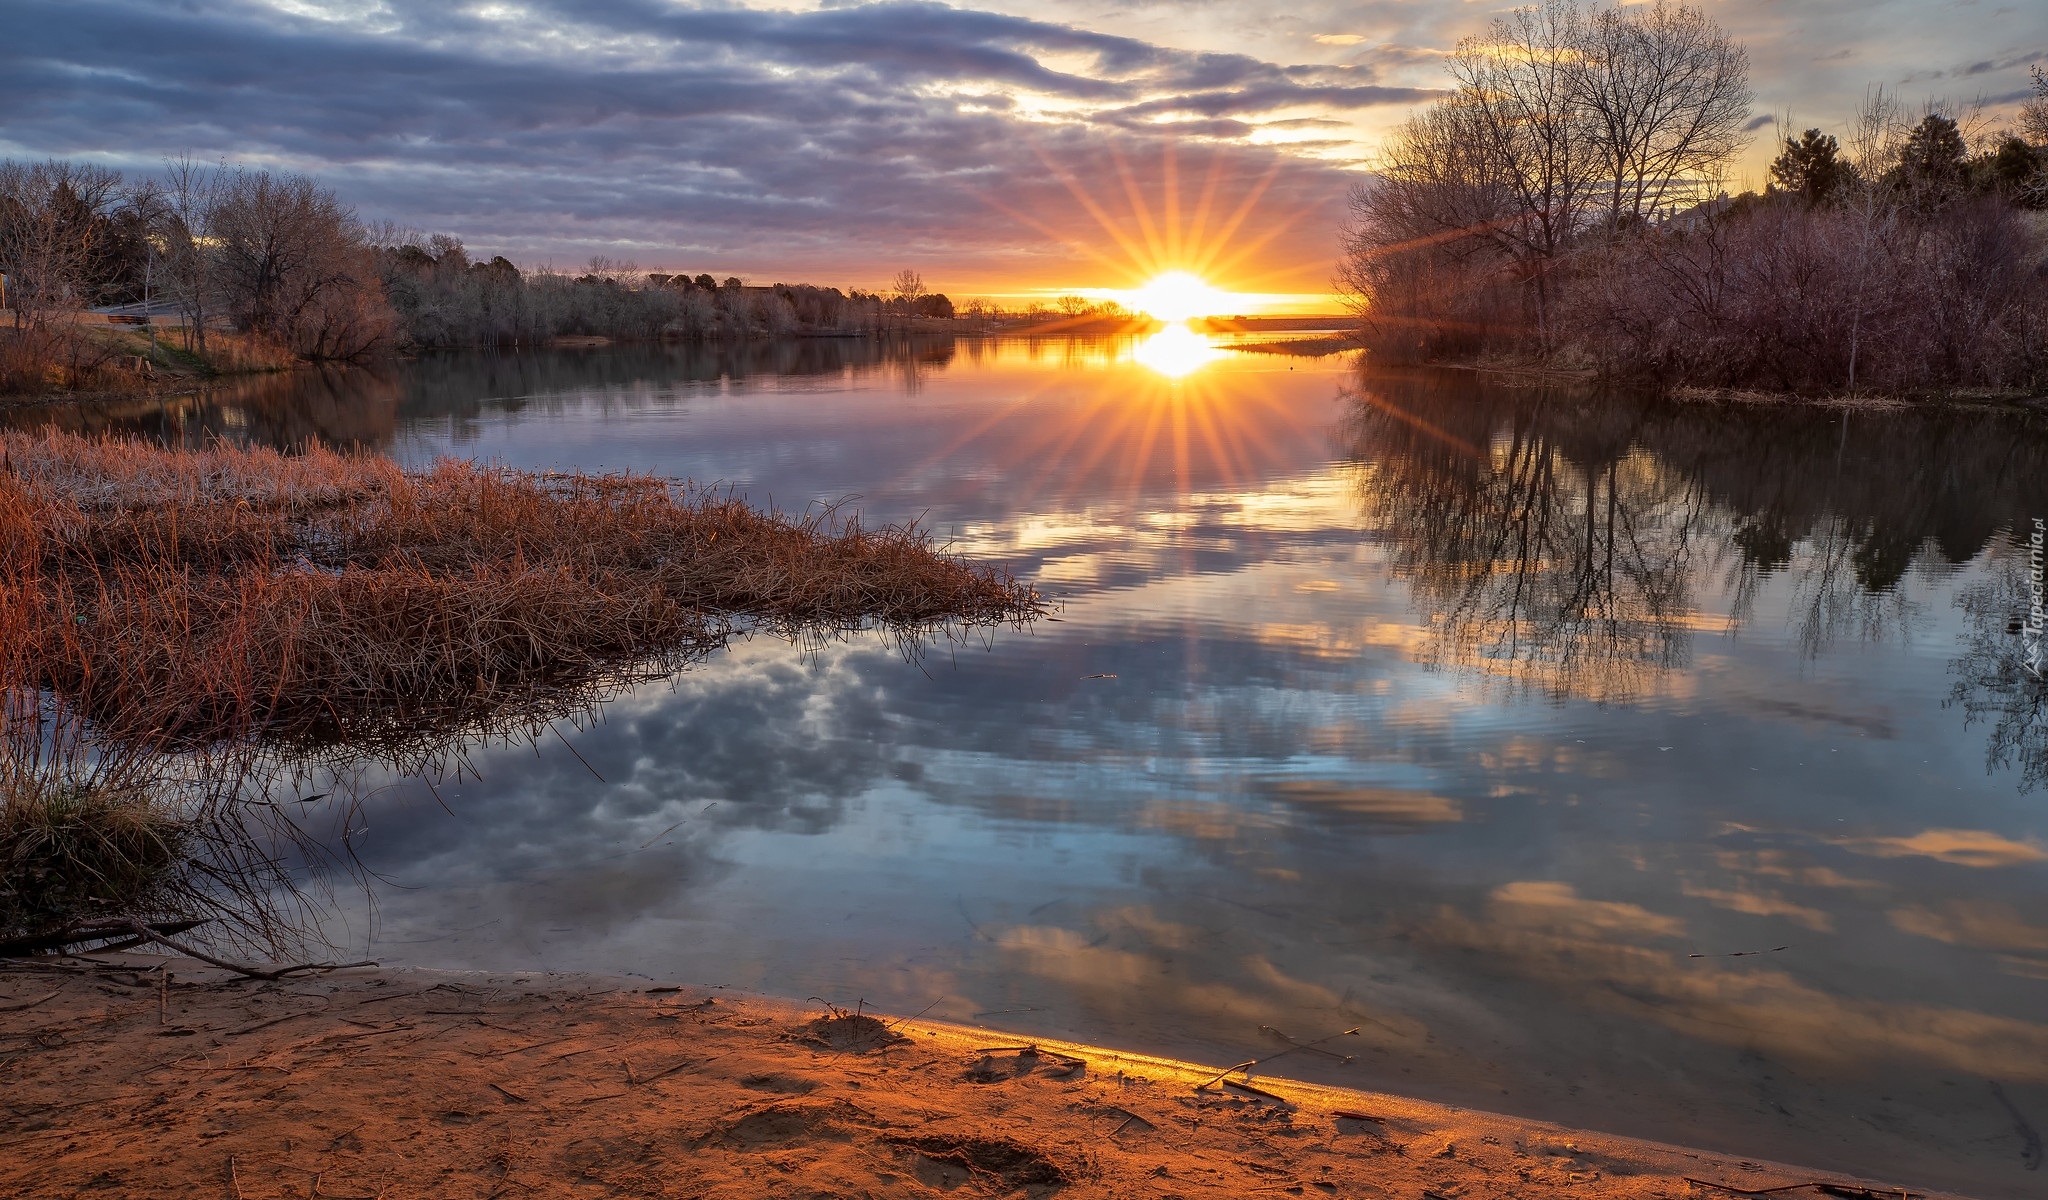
point(1811, 167)
point(1935, 154)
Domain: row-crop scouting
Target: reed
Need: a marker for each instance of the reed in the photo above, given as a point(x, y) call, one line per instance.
point(187, 598)
point(94, 835)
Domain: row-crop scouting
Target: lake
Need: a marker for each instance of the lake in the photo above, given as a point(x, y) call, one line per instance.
point(1670, 769)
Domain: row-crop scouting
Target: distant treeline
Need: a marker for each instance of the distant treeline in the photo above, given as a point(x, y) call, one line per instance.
point(261, 266)
point(1562, 206)
point(443, 298)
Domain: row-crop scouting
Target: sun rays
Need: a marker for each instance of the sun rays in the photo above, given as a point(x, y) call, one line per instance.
point(1170, 248)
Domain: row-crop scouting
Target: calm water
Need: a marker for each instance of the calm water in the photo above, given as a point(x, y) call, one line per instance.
point(1666, 769)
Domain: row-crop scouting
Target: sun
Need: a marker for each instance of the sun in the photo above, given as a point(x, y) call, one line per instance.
point(1179, 296)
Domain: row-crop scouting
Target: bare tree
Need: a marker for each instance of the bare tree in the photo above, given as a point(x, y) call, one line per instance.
point(2034, 113)
point(1563, 119)
point(1521, 83)
point(1668, 94)
point(53, 231)
point(293, 264)
point(908, 287)
point(191, 193)
point(1430, 236)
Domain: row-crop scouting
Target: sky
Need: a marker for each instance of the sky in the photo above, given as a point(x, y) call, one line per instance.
point(1005, 148)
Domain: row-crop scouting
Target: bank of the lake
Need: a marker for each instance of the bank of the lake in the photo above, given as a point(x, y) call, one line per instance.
point(166, 1078)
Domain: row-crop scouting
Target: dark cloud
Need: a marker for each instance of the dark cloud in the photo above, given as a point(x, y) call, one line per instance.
point(798, 144)
point(1267, 98)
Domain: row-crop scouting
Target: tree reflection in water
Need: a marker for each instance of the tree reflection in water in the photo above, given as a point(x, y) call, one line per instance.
point(1999, 683)
point(1543, 551)
point(1568, 546)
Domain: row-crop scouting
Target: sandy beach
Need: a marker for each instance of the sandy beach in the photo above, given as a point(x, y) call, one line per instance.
point(145, 1076)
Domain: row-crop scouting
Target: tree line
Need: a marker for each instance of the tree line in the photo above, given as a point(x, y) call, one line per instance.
point(1563, 204)
point(272, 256)
point(442, 297)
point(277, 260)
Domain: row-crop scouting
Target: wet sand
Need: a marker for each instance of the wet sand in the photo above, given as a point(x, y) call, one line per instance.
point(161, 1077)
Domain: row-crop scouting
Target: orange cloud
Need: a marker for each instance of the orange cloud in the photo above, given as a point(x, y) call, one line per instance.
point(1961, 847)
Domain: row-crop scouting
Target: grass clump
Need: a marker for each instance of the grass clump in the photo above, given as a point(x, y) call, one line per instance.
point(73, 849)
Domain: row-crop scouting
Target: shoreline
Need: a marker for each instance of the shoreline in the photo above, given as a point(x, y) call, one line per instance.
point(1535, 375)
point(136, 1074)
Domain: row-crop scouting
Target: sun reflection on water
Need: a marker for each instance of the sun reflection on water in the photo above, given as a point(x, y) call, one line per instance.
point(1176, 352)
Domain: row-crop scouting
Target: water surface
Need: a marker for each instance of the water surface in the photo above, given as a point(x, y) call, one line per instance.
point(1666, 769)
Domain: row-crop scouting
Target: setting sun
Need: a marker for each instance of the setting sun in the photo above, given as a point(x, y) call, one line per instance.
point(1179, 296)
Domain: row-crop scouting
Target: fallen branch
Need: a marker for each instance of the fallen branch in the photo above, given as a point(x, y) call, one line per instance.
point(1769, 1191)
point(95, 932)
point(1854, 1191)
point(1256, 1091)
point(147, 934)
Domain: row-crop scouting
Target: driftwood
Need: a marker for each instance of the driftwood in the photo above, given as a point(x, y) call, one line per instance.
point(1827, 1187)
point(147, 934)
point(94, 931)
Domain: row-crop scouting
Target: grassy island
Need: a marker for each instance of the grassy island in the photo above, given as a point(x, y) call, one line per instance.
point(157, 604)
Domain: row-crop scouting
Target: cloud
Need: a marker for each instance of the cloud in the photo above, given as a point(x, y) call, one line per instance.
point(1544, 933)
point(1981, 924)
point(1959, 847)
point(1386, 806)
point(793, 144)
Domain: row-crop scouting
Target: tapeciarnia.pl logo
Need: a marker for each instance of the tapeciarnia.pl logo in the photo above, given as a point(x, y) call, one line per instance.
point(2037, 615)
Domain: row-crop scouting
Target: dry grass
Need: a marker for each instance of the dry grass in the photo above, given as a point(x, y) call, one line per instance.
point(92, 832)
point(75, 356)
point(185, 634)
point(72, 847)
point(188, 598)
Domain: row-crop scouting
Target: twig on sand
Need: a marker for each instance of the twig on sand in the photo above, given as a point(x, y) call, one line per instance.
point(1769, 1191)
point(272, 1021)
point(1226, 1071)
point(26, 1005)
point(397, 996)
point(1034, 1050)
point(1256, 1091)
point(914, 1016)
point(1315, 1047)
point(149, 935)
point(665, 1072)
point(234, 1178)
point(508, 1093)
point(1855, 1191)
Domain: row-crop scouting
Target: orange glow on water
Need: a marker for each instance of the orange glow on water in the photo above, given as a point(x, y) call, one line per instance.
point(1176, 351)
